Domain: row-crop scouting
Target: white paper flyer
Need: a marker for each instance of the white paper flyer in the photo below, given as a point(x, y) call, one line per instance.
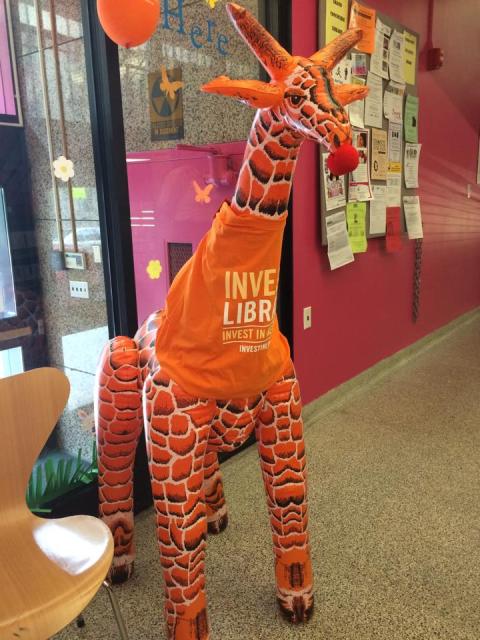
point(378, 209)
point(359, 188)
point(412, 157)
point(335, 195)
point(396, 57)
point(393, 102)
point(342, 73)
point(378, 160)
point(356, 109)
point(339, 249)
point(379, 58)
point(373, 102)
point(413, 217)
point(394, 189)
point(359, 64)
point(394, 144)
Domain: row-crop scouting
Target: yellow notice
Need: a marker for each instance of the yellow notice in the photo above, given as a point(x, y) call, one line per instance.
point(395, 167)
point(336, 19)
point(363, 18)
point(356, 223)
point(410, 57)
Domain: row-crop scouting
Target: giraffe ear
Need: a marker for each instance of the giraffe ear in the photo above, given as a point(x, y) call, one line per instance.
point(257, 94)
point(347, 93)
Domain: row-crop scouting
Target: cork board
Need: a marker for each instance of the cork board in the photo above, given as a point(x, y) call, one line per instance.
point(409, 90)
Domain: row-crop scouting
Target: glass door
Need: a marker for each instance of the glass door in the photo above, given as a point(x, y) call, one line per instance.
point(52, 296)
point(179, 150)
point(184, 147)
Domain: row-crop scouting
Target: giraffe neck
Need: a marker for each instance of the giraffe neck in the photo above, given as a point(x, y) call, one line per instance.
point(265, 179)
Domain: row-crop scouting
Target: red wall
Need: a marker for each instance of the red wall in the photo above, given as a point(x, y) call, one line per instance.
point(362, 313)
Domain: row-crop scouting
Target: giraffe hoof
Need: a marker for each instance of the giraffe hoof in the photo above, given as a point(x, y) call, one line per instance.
point(217, 526)
point(191, 629)
point(301, 609)
point(120, 574)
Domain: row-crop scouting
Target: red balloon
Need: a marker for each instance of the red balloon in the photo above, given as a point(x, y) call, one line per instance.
point(343, 160)
point(129, 22)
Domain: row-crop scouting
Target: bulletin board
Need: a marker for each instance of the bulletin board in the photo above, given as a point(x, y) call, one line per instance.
point(410, 89)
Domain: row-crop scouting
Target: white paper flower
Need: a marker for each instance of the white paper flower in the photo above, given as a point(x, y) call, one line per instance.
point(63, 168)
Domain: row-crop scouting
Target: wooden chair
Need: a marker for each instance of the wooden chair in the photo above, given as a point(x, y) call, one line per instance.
point(50, 569)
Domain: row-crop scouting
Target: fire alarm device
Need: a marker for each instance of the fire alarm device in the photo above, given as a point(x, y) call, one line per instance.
point(435, 58)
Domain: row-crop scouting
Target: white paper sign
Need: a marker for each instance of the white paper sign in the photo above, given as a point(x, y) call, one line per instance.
point(378, 209)
point(359, 64)
point(373, 102)
point(412, 157)
point(359, 188)
point(334, 187)
point(394, 189)
point(379, 58)
point(342, 73)
point(413, 217)
point(394, 143)
point(393, 102)
point(339, 249)
point(396, 57)
point(356, 109)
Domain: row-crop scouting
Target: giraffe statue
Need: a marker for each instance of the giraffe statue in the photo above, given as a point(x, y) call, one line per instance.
point(212, 368)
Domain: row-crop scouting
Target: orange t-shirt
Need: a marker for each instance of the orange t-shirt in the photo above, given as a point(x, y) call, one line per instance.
point(219, 336)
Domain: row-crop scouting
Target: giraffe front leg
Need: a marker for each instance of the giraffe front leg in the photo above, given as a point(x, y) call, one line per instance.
point(282, 455)
point(217, 516)
point(177, 429)
point(118, 425)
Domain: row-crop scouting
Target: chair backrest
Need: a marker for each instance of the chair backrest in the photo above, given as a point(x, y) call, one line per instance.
point(30, 405)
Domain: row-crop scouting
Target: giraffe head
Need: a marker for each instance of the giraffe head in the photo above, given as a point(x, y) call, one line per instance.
point(301, 91)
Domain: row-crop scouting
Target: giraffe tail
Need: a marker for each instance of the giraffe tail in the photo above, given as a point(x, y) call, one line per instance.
point(118, 424)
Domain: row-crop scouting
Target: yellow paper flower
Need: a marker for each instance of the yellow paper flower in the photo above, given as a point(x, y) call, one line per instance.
point(212, 3)
point(154, 269)
point(63, 168)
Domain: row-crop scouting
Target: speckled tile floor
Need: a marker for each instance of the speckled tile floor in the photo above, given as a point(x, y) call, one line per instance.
point(394, 476)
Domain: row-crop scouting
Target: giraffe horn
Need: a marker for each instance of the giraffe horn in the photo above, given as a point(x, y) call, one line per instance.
point(337, 49)
point(347, 93)
point(274, 58)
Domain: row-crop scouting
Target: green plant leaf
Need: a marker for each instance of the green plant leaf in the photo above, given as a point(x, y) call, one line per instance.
point(60, 473)
point(68, 471)
point(38, 484)
point(49, 470)
point(53, 478)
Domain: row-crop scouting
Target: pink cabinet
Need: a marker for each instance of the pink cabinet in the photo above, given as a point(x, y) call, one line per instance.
point(174, 194)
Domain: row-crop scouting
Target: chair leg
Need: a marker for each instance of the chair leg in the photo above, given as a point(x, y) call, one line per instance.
point(81, 621)
point(122, 629)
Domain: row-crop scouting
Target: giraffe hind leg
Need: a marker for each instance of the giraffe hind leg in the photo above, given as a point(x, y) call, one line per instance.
point(234, 423)
point(217, 516)
point(177, 428)
point(118, 424)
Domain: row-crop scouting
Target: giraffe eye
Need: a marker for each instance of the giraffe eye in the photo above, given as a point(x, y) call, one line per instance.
point(295, 99)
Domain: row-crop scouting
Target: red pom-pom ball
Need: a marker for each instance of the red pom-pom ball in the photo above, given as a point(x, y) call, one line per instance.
point(343, 160)
point(129, 23)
